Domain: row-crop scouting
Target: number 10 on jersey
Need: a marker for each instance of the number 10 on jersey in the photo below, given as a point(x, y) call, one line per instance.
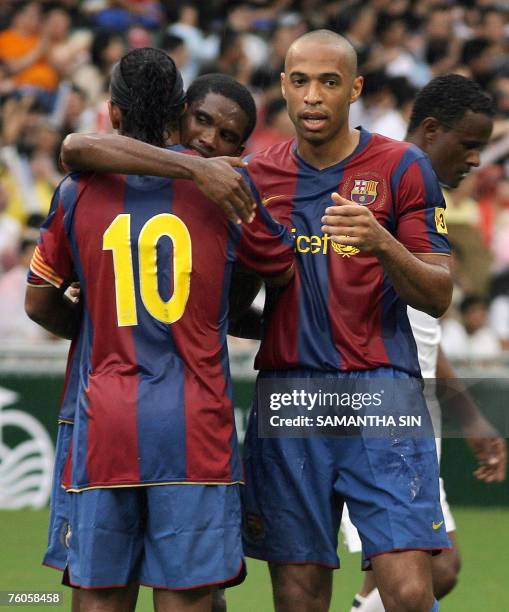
point(117, 239)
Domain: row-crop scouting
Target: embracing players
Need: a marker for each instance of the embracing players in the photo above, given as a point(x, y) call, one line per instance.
point(344, 317)
point(152, 404)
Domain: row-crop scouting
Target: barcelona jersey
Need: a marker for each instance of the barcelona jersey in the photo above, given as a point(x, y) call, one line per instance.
point(341, 311)
point(148, 379)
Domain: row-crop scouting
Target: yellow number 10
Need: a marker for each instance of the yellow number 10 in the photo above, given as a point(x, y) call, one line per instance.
point(117, 239)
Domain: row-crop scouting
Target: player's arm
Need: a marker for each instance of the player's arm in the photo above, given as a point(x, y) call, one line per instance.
point(46, 306)
point(112, 153)
point(422, 281)
point(484, 440)
point(245, 320)
point(52, 265)
point(265, 248)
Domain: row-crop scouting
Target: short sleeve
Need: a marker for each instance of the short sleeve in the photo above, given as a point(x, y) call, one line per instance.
point(52, 260)
point(264, 245)
point(419, 207)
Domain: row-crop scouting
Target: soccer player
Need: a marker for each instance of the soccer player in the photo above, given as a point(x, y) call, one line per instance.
point(153, 409)
point(220, 116)
point(344, 318)
point(451, 121)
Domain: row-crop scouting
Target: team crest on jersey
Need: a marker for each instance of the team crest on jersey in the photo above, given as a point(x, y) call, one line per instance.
point(364, 191)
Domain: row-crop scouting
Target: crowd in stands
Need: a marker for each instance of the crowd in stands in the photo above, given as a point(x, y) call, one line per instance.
point(55, 61)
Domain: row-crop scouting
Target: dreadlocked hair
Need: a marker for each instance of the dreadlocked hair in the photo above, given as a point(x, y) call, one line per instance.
point(151, 76)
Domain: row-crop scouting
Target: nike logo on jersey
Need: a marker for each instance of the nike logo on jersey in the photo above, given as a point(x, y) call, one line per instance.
point(265, 201)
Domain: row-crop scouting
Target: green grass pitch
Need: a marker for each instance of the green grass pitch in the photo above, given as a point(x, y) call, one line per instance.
point(483, 535)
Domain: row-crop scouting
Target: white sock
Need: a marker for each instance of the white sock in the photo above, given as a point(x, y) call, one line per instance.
point(370, 603)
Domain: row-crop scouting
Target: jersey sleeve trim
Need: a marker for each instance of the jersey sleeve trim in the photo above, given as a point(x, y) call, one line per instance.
point(40, 268)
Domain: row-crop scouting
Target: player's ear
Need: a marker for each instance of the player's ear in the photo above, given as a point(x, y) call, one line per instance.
point(283, 90)
point(430, 128)
point(115, 115)
point(357, 84)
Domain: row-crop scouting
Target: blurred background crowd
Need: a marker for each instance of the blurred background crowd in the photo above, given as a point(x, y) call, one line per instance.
point(55, 60)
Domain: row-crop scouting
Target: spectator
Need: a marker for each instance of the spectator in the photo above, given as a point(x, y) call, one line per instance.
point(93, 78)
point(477, 58)
point(499, 308)
point(357, 23)
point(470, 338)
point(10, 230)
point(276, 127)
point(24, 51)
point(202, 49)
point(391, 54)
point(439, 56)
point(66, 51)
point(287, 29)
point(394, 120)
point(119, 15)
point(500, 89)
point(231, 59)
point(176, 48)
point(15, 326)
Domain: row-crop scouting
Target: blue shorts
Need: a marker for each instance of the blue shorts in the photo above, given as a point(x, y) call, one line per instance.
point(296, 487)
point(169, 537)
point(56, 552)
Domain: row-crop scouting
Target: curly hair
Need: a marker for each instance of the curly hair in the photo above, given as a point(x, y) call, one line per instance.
point(448, 98)
point(228, 87)
point(154, 105)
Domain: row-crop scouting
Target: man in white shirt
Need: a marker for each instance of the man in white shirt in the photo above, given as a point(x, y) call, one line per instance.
point(452, 120)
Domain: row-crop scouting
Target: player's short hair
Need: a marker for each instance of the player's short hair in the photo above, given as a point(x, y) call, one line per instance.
point(448, 98)
point(147, 87)
point(226, 86)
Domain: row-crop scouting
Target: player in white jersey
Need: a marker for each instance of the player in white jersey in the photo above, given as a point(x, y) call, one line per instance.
point(451, 121)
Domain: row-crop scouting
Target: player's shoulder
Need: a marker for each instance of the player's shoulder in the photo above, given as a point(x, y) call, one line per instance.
point(72, 186)
point(276, 155)
point(180, 148)
point(395, 149)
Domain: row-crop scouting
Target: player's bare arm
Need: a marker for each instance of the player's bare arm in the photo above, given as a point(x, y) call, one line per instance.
point(112, 153)
point(245, 319)
point(45, 306)
point(488, 446)
point(248, 326)
point(242, 320)
point(422, 281)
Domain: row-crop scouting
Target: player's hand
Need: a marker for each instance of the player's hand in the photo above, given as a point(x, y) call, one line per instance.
point(489, 448)
point(218, 181)
point(72, 293)
point(351, 224)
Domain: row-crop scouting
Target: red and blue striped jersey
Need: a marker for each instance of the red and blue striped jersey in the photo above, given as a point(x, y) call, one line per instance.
point(341, 312)
point(148, 379)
